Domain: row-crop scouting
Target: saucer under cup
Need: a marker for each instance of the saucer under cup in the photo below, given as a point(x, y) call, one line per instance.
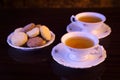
point(101, 32)
point(61, 55)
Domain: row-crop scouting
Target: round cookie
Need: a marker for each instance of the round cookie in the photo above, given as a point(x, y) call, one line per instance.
point(38, 25)
point(35, 42)
point(34, 32)
point(28, 27)
point(19, 38)
point(45, 32)
point(18, 30)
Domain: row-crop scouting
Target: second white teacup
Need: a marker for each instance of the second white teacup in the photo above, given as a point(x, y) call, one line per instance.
point(90, 20)
point(80, 45)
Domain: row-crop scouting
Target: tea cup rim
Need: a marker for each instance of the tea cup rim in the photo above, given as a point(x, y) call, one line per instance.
point(96, 14)
point(96, 40)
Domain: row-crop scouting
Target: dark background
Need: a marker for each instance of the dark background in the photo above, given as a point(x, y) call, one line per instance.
point(39, 65)
point(59, 3)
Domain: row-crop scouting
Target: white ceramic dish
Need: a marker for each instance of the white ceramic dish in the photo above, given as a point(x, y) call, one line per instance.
point(60, 55)
point(28, 48)
point(102, 32)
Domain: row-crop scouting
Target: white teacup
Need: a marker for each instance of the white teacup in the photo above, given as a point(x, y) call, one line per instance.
point(90, 20)
point(80, 44)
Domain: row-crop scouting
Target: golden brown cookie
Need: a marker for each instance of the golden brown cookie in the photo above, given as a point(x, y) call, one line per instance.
point(38, 25)
point(35, 42)
point(28, 27)
point(19, 38)
point(45, 32)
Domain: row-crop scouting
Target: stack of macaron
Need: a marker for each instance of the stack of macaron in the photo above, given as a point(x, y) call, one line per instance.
point(31, 36)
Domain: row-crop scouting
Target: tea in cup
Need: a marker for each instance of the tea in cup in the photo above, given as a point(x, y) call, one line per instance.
point(90, 20)
point(80, 45)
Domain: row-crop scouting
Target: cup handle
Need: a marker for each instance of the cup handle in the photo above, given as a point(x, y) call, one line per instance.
point(97, 50)
point(73, 19)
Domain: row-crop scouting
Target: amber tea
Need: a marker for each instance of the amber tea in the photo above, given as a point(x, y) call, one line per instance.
point(79, 42)
point(89, 19)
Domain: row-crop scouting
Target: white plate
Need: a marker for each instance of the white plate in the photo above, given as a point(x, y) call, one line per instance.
point(102, 32)
point(28, 48)
point(60, 55)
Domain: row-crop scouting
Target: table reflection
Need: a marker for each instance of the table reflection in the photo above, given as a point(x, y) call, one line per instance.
point(66, 73)
point(30, 57)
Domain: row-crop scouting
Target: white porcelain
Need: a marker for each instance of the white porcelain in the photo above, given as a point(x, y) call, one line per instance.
point(101, 32)
point(88, 25)
point(80, 54)
point(61, 55)
point(76, 26)
point(28, 48)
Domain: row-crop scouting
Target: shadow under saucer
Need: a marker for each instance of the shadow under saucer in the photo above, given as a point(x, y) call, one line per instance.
point(66, 73)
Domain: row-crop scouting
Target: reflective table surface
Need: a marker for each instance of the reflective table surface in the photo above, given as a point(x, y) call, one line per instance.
point(39, 65)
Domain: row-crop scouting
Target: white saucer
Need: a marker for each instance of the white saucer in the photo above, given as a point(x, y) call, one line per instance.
point(60, 55)
point(102, 32)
